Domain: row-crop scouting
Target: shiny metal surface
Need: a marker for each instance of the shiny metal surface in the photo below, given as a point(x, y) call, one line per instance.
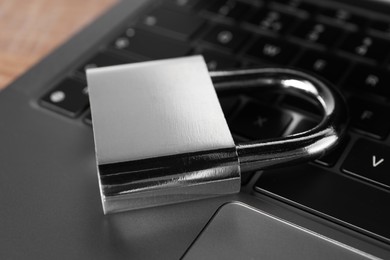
point(161, 136)
point(304, 146)
point(169, 179)
point(154, 109)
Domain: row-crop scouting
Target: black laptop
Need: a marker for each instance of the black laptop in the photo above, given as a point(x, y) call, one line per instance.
point(49, 193)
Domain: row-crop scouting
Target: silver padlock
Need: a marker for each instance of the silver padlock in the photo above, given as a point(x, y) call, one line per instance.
point(161, 136)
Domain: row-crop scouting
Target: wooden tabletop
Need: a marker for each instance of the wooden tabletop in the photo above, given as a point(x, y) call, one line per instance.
point(30, 29)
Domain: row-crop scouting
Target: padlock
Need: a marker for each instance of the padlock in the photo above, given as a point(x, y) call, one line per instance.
point(161, 136)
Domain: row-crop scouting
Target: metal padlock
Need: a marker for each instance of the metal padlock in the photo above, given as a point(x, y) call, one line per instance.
point(161, 136)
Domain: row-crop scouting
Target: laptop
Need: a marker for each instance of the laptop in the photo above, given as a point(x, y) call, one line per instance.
point(49, 191)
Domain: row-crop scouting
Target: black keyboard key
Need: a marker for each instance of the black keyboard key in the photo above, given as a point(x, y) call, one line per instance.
point(298, 5)
point(102, 60)
point(226, 37)
point(302, 104)
point(370, 161)
point(174, 24)
point(228, 104)
point(149, 45)
point(366, 46)
point(303, 125)
point(370, 118)
point(69, 97)
point(369, 79)
point(257, 122)
point(317, 32)
point(230, 8)
point(381, 26)
point(273, 51)
point(217, 61)
point(182, 5)
point(341, 199)
point(323, 64)
point(272, 20)
point(343, 16)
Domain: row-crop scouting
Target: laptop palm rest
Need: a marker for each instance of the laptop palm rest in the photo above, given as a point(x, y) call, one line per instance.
point(238, 231)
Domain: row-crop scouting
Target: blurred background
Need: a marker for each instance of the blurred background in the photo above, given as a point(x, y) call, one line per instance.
point(30, 29)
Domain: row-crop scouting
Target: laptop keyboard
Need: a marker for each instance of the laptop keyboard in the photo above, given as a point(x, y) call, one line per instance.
point(349, 186)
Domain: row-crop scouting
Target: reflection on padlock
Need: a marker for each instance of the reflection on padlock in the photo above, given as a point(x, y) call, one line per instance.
point(161, 136)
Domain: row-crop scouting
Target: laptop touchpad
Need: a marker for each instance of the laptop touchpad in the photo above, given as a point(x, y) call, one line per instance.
point(238, 231)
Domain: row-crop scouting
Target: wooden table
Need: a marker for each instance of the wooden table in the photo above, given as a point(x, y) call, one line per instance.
point(30, 29)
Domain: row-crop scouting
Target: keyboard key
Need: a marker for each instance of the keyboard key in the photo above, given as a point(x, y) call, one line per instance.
point(230, 8)
point(381, 26)
point(175, 24)
point(226, 37)
point(370, 118)
point(302, 104)
point(274, 51)
point(149, 45)
point(103, 59)
point(366, 46)
point(257, 122)
point(217, 61)
point(299, 5)
point(271, 20)
point(370, 161)
point(323, 64)
point(69, 97)
point(303, 125)
point(369, 79)
point(182, 5)
point(333, 196)
point(342, 16)
point(316, 32)
point(228, 104)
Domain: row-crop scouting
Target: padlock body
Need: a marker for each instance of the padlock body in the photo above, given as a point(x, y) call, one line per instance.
point(168, 179)
point(160, 134)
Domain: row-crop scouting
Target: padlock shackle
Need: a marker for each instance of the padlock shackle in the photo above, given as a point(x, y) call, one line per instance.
point(304, 146)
